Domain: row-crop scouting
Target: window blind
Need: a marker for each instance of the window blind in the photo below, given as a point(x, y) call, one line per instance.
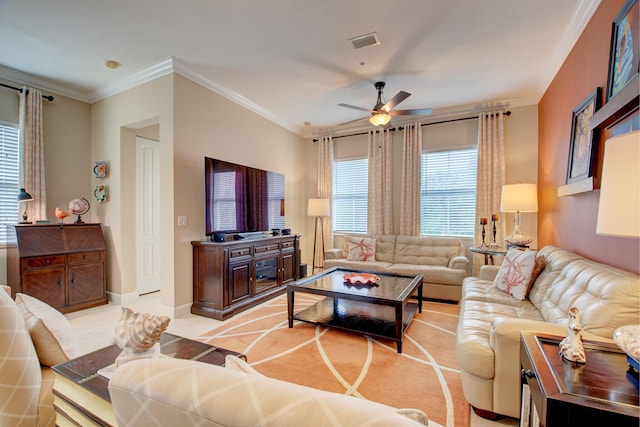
point(448, 199)
point(349, 198)
point(9, 180)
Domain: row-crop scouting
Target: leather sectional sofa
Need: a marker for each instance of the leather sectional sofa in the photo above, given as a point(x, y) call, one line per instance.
point(490, 321)
point(440, 260)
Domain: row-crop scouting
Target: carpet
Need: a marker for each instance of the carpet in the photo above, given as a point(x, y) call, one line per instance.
point(425, 376)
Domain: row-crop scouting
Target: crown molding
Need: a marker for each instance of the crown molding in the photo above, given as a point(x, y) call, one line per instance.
point(21, 78)
point(189, 73)
point(573, 30)
point(161, 68)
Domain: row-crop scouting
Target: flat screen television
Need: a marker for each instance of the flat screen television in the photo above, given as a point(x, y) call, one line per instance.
point(242, 199)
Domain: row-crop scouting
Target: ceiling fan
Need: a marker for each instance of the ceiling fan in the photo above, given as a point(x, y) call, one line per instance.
point(381, 112)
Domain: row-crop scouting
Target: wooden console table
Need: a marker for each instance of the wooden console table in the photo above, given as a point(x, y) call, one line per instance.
point(601, 392)
point(229, 277)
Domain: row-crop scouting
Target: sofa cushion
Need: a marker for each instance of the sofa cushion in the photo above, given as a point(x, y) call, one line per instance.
point(50, 331)
point(430, 273)
point(555, 260)
point(20, 375)
point(426, 250)
point(473, 348)
point(184, 392)
point(477, 289)
point(606, 297)
point(361, 249)
point(377, 266)
point(516, 272)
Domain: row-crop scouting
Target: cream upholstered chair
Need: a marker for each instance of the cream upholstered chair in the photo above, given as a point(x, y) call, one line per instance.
point(26, 397)
point(184, 392)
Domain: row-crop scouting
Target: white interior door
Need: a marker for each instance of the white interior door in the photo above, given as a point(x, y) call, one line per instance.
point(147, 216)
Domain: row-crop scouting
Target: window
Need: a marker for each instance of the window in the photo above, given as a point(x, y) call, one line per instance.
point(350, 188)
point(8, 179)
point(448, 199)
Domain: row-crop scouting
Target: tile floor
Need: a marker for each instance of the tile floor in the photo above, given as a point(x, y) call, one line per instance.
point(94, 328)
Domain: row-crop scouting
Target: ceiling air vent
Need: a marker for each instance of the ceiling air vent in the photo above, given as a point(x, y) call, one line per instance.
point(365, 40)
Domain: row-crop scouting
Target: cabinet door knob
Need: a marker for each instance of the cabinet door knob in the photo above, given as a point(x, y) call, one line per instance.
point(59, 281)
point(527, 373)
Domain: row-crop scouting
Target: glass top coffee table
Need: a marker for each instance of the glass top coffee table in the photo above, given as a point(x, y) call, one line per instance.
point(381, 310)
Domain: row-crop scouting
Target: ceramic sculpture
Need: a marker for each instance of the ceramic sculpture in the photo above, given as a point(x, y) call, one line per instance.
point(138, 335)
point(571, 347)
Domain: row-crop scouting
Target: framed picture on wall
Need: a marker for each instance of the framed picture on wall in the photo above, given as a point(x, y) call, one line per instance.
point(583, 141)
point(624, 57)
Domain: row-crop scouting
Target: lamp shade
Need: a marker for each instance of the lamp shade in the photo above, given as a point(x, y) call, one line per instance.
point(318, 207)
point(23, 196)
point(379, 119)
point(619, 207)
point(519, 198)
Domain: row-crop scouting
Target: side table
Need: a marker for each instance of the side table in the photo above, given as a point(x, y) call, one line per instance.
point(601, 392)
point(81, 395)
point(488, 253)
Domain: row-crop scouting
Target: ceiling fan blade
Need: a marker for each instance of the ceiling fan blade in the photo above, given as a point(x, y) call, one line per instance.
point(400, 96)
point(353, 121)
point(419, 112)
point(355, 108)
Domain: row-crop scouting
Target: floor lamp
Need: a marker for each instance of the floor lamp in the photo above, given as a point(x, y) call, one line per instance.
point(318, 208)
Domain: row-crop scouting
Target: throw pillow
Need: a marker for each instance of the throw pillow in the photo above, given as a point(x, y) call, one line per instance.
point(515, 273)
point(361, 249)
point(50, 331)
point(539, 265)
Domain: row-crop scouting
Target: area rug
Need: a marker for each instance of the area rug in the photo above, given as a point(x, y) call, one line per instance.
point(425, 376)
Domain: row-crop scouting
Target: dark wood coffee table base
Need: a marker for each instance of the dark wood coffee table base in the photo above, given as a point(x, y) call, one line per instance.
point(384, 311)
point(373, 320)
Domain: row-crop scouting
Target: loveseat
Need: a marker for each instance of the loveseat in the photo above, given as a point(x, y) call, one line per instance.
point(33, 337)
point(490, 320)
point(440, 260)
point(182, 392)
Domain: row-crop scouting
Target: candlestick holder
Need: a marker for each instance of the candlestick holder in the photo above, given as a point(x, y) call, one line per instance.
point(494, 244)
point(483, 222)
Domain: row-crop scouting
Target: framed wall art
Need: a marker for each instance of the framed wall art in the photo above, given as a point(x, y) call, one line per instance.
point(583, 140)
point(624, 57)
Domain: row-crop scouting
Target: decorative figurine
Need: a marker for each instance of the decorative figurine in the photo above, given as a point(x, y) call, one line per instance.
point(571, 347)
point(138, 335)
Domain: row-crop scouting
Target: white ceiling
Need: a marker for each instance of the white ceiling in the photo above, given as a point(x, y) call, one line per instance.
point(291, 60)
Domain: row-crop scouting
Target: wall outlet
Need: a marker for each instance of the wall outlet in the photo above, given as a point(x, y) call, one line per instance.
point(182, 221)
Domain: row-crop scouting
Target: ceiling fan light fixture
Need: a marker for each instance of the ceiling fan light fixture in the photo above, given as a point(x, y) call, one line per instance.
point(380, 119)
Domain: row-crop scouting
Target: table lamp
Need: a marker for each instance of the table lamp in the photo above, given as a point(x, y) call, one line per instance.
point(619, 207)
point(24, 197)
point(318, 208)
point(519, 198)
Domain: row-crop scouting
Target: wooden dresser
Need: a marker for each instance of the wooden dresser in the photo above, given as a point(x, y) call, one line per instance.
point(233, 276)
point(62, 265)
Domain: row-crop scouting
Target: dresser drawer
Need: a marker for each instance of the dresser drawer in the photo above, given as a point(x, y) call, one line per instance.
point(267, 248)
point(80, 257)
point(239, 252)
point(45, 261)
point(287, 245)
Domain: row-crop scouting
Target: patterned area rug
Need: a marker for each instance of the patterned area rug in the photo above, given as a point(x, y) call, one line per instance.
point(425, 376)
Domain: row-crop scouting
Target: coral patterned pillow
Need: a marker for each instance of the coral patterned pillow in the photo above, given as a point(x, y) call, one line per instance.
point(361, 249)
point(515, 273)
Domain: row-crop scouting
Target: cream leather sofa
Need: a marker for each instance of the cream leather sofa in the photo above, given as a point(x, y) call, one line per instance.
point(440, 260)
point(176, 392)
point(490, 321)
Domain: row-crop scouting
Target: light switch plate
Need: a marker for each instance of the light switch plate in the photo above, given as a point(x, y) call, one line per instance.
point(182, 221)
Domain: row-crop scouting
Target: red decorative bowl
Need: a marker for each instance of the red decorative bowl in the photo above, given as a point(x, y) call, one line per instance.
point(361, 278)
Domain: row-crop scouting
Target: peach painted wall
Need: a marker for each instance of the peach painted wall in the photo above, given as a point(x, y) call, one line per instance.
point(570, 222)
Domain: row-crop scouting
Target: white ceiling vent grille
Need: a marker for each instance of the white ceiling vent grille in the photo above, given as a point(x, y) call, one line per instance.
point(365, 40)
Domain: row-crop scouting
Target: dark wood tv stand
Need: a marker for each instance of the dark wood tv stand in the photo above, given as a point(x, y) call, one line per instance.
point(230, 277)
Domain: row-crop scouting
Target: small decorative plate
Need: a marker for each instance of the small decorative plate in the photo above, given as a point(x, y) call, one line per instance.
point(100, 169)
point(361, 278)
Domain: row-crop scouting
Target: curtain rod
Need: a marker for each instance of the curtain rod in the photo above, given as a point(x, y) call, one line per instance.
point(47, 97)
point(507, 113)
